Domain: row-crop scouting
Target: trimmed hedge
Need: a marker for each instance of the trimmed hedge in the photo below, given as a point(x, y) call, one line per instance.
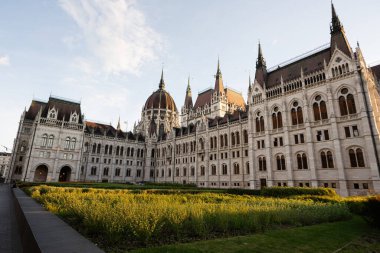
point(283, 192)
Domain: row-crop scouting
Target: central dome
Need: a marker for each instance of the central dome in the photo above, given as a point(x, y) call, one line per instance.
point(160, 99)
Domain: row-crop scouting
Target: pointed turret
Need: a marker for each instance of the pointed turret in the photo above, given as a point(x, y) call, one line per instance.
point(188, 99)
point(219, 88)
point(261, 68)
point(162, 82)
point(118, 125)
point(338, 36)
point(249, 84)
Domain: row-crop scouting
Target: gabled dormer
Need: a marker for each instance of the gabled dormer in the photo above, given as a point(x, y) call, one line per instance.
point(52, 113)
point(74, 117)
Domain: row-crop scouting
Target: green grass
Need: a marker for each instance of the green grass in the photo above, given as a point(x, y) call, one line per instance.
point(354, 235)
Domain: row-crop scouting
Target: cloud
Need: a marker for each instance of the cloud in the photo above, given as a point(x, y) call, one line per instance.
point(4, 60)
point(115, 33)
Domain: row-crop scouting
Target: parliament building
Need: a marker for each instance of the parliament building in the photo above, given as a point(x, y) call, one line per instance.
point(311, 122)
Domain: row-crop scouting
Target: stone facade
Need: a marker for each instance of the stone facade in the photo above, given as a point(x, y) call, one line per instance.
point(310, 122)
point(4, 164)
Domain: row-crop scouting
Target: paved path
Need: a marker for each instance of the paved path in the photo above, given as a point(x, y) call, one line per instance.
point(9, 234)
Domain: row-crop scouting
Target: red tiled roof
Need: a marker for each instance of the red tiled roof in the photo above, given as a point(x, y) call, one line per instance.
point(234, 97)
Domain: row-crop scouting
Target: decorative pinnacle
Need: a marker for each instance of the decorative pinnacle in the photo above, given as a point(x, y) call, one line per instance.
point(188, 85)
point(218, 72)
point(162, 83)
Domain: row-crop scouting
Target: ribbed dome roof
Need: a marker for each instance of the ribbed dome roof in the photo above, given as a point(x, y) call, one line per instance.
point(160, 99)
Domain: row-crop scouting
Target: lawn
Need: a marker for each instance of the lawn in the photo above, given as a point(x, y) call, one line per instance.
point(354, 236)
point(120, 220)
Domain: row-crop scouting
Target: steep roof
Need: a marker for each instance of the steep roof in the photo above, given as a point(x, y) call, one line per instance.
point(65, 108)
point(203, 98)
point(292, 71)
point(376, 71)
point(34, 108)
point(234, 97)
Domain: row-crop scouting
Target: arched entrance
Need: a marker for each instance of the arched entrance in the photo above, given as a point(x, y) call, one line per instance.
point(64, 174)
point(40, 174)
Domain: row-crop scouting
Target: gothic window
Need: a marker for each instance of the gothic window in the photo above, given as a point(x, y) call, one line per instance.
point(18, 170)
point(221, 141)
point(44, 140)
point(184, 172)
point(23, 146)
point(225, 140)
point(106, 149)
point(211, 142)
point(233, 139)
point(73, 143)
point(346, 103)
point(117, 172)
point(110, 150)
point(247, 168)
point(356, 157)
point(262, 163)
point(201, 144)
point(169, 172)
point(237, 138)
point(319, 108)
point(128, 173)
point(215, 142)
point(105, 171)
point(192, 171)
point(276, 118)
point(302, 161)
point(213, 169)
point(94, 148)
point(259, 123)
point(117, 150)
point(245, 134)
point(236, 169)
point(177, 172)
point(67, 143)
point(133, 152)
point(202, 170)
point(98, 148)
point(280, 161)
point(327, 159)
point(128, 151)
point(224, 169)
point(296, 114)
point(50, 141)
point(93, 171)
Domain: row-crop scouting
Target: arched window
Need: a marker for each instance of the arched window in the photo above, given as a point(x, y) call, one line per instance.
point(201, 144)
point(106, 171)
point(319, 108)
point(117, 172)
point(296, 113)
point(280, 161)
point(224, 169)
point(236, 169)
point(98, 148)
point(184, 170)
point(211, 142)
point(44, 140)
point(259, 123)
point(237, 138)
point(302, 161)
point(67, 143)
point(106, 150)
point(327, 159)
point(177, 172)
point(225, 140)
point(94, 148)
point(346, 103)
point(128, 151)
point(202, 170)
point(221, 141)
point(276, 118)
point(356, 157)
point(192, 171)
point(73, 143)
point(213, 169)
point(233, 139)
point(122, 151)
point(245, 134)
point(247, 168)
point(262, 163)
point(117, 150)
point(110, 150)
point(50, 141)
point(93, 170)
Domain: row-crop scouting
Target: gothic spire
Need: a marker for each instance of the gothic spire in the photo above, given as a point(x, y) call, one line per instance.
point(249, 84)
point(118, 124)
point(219, 88)
point(336, 26)
point(162, 83)
point(260, 58)
point(188, 97)
point(261, 68)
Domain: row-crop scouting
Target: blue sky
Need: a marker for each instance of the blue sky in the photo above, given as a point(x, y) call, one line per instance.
point(109, 53)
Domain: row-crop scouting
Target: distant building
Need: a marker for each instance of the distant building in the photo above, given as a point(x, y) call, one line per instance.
point(4, 164)
point(313, 121)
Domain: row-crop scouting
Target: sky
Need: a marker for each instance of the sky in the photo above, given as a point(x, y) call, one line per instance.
point(108, 54)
